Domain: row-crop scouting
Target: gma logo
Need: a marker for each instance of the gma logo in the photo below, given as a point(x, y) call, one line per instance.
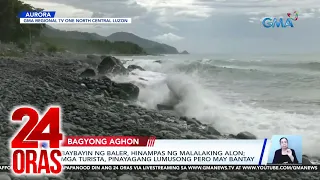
point(275, 22)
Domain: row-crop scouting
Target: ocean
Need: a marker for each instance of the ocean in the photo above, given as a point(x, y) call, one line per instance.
point(263, 94)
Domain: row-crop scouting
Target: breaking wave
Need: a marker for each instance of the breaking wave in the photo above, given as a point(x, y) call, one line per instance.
point(212, 91)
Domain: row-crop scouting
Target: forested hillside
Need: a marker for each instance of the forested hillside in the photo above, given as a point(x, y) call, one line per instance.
point(26, 34)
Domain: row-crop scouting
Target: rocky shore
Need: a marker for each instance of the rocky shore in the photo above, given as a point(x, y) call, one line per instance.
point(94, 105)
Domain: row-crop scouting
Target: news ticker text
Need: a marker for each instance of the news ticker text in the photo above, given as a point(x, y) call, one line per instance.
point(249, 168)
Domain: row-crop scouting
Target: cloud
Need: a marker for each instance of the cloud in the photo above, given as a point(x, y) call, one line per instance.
point(168, 37)
point(162, 12)
point(161, 23)
point(174, 10)
point(200, 23)
point(307, 15)
point(119, 8)
point(62, 9)
point(166, 12)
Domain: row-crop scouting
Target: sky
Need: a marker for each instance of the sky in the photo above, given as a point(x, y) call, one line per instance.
point(201, 26)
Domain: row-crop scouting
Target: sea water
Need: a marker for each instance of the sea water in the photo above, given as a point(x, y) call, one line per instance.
point(262, 94)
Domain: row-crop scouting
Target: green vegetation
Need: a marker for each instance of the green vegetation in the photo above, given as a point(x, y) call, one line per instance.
point(11, 29)
point(53, 40)
point(22, 46)
point(151, 47)
point(23, 34)
point(52, 48)
point(56, 33)
point(90, 46)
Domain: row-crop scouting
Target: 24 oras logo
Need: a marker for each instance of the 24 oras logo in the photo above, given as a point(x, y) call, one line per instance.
point(269, 22)
point(31, 154)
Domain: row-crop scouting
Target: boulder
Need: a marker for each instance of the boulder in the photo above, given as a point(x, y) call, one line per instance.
point(125, 177)
point(133, 67)
point(212, 131)
point(139, 84)
point(88, 73)
point(245, 135)
point(158, 61)
point(128, 89)
point(111, 65)
point(103, 56)
point(231, 136)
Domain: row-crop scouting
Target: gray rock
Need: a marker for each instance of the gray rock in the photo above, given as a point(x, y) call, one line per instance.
point(112, 115)
point(167, 134)
point(274, 175)
point(147, 117)
point(131, 122)
point(126, 117)
point(173, 129)
point(212, 131)
point(240, 175)
point(192, 175)
point(192, 121)
point(36, 178)
point(162, 177)
point(133, 67)
point(4, 160)
point(212, 136)
point(67, 125)
point(135, 115)
point(88, 73)
point(110, 174)
point(130, 89)
point(4, 177)
point(103, 56)
point(223, 176)
point(245, 135)
point(76, 175)
point(92, 174)
point(125, 177)
point(183, 175)
point(111, 65)
point(127, 133)
point(93, 178)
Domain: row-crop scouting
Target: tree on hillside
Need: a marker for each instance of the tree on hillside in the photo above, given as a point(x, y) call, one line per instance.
point(10, 28)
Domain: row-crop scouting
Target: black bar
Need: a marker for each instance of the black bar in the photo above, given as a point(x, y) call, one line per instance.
point(195, 168)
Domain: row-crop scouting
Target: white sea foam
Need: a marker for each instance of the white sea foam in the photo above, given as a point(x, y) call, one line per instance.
point(206, 104)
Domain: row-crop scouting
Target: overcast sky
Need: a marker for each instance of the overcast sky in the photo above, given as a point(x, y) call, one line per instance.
point(202, 26)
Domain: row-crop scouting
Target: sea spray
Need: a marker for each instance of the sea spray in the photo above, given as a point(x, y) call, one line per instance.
point(196, 101)
point(265, 101)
